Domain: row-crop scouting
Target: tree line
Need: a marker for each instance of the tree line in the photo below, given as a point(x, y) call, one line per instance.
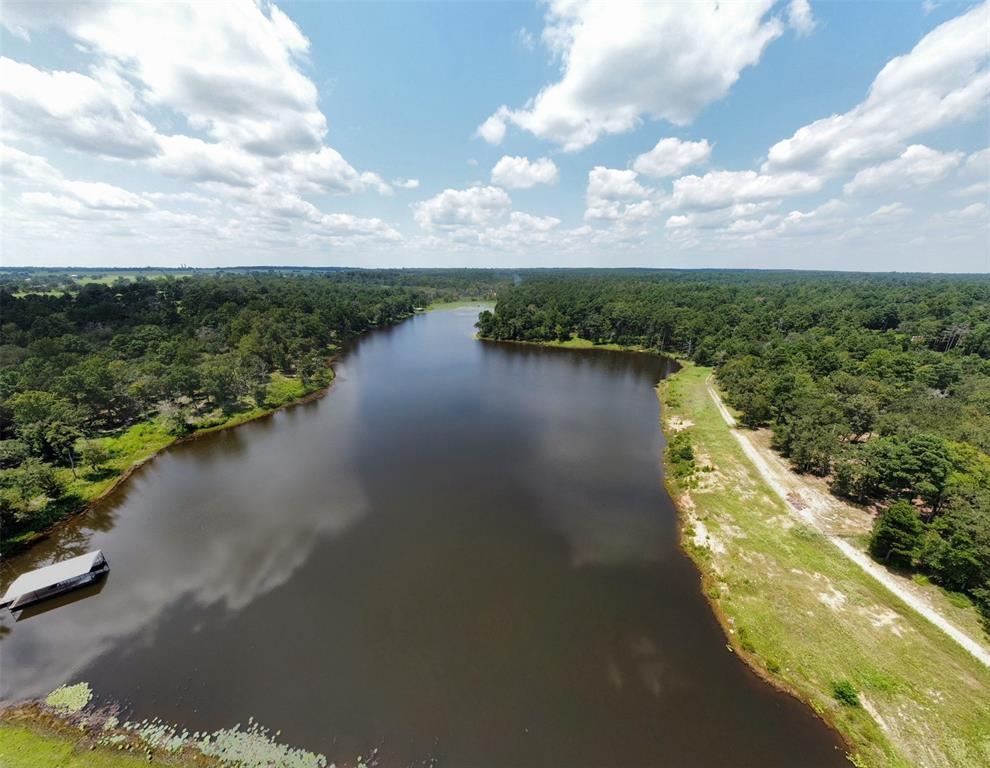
point(880, 383)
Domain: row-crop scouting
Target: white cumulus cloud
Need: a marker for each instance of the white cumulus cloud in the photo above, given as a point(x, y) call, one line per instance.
point(85, 200)
point(519, 173)
point(615, 195)
point(622, 61)
point(15, 164)
point(191, 158)
point(88, 113)
point(328, 172)
point(231, 69)
point(672, 156)
point(720, 189)
point(101, 196)
point(975, 174)
point(944, 79)
point(61, 196)
point(462, 207)
point(800, 17)
point(225, 78)
point(493, 129)
point(917, 166)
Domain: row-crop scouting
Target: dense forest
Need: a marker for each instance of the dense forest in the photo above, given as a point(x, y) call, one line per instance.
point(99, 369)
point(879, 383)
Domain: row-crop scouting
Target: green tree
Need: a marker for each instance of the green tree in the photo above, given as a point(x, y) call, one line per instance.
point(221, 380)
point(933, 463)
point(857, 474)
point(38, 478)
point(309, 366)
point(812, 448)
point(62, 438)
point(95, 454)
point(12, 453)
point(956, 547)
point(861, 411)
point(35, 413)
point(896, 534)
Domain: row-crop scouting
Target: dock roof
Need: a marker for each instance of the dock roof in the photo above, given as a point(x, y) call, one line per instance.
point(50, 575)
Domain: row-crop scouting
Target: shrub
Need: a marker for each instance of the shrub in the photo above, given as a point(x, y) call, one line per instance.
point(845, 693)
point(680, 455)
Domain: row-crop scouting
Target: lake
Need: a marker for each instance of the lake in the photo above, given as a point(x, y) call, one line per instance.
point(464, 552)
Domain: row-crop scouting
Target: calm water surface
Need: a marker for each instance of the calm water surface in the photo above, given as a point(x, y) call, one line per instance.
point(463, 552)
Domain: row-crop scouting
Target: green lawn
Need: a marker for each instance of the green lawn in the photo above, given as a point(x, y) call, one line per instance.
point(461, 304)
point(29, 747)
point(576, 342)
point(50, 292)
point(810, 619)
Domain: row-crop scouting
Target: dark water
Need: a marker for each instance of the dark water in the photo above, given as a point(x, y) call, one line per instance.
point(464, 551)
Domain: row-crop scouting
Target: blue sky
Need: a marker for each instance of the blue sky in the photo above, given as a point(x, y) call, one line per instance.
point(788, 134)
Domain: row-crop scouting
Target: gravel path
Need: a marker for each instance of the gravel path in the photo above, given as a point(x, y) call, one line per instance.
point(813, 508)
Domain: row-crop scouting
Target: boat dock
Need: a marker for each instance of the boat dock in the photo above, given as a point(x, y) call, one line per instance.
point(53, 580)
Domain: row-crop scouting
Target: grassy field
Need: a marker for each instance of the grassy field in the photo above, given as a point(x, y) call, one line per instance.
point(133, 446)
point(901, 692)
point(956, 606)
point(67, 280)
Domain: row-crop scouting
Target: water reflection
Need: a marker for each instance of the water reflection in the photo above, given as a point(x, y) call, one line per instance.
point(464, 551)
point(214, 522)
point(90, 590)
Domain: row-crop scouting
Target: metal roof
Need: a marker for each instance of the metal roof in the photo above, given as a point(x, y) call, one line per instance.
point(51, 574)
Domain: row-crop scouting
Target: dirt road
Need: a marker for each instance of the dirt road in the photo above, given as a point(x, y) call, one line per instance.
point(820, 510)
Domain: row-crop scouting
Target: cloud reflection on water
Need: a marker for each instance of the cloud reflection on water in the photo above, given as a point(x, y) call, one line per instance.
point(218, 522)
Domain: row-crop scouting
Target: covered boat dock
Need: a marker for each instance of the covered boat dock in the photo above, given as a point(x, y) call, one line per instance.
point(56, 579)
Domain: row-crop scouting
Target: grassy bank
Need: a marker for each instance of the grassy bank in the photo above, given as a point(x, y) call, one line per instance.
point(64, 730)
point(32, 736)
point(901, 692)
point(130, 448)
point(460, 304)
point(576, 342)
point(23, 746)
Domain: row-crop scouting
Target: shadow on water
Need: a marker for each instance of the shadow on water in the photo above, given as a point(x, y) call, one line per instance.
point(38, 609)
point(465, 551)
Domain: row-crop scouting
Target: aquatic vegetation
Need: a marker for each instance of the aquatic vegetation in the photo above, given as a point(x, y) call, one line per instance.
point(70, 698)
point(256, 748)
point(237, 747)
point(253, 747)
